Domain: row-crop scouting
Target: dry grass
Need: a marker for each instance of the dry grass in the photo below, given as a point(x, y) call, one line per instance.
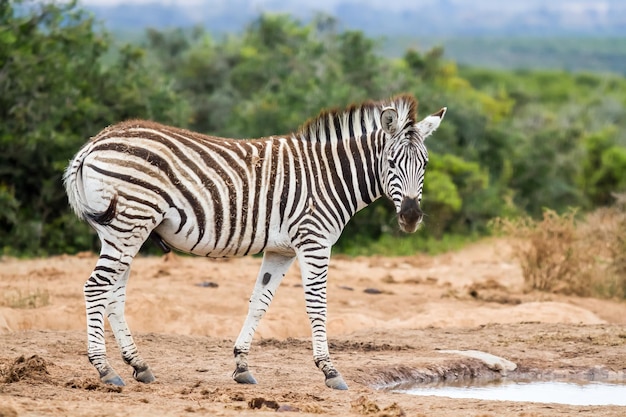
point(30, 299)
point(605, 230)
point(573, 254)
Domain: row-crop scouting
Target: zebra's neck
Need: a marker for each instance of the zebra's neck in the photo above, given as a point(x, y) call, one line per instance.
point(360, 161)
point(353, 142)
point(342, 175)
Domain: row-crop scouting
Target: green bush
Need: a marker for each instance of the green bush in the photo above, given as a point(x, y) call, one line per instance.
point(55, 94)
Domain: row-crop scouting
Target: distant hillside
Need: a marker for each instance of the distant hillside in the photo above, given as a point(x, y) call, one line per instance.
point(571, 35)
point(403, 18)
point(576, 53)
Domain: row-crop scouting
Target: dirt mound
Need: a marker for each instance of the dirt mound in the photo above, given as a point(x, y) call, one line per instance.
point(260, 402)
point(91, 384)
point(34, 369)
point(288, 343)
point(350, 346)
point(367, 407)
point(464, 370)
point(7, 411)
point(492, 291)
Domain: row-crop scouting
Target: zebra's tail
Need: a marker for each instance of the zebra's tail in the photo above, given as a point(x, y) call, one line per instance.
point(74, 186)
point(73, 181)
point(75, 189)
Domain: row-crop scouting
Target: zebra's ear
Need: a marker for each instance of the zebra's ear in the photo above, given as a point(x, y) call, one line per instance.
point(427, 126)
point(389, 120)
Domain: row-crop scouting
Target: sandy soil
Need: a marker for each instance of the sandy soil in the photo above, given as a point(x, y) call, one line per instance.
point(393, 332)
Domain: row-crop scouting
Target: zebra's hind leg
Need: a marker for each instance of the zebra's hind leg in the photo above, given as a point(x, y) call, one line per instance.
point(272, 272)
point(105, 293)
point(313, 261)
point(117, 320)
point(97, 290)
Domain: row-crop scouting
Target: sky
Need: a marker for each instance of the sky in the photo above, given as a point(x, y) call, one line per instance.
point(329, 5)
point(322, 4)
point(404, 4)
point(571, 11)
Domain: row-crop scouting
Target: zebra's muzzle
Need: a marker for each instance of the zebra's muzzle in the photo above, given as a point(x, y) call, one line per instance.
point(410, 215)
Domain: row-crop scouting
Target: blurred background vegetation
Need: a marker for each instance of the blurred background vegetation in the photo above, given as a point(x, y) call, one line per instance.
point(514, 142)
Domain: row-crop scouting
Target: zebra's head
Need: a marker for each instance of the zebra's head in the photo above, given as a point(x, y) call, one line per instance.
point(404, 163)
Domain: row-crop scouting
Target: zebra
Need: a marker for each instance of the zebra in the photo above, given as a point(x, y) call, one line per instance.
point(288, 196)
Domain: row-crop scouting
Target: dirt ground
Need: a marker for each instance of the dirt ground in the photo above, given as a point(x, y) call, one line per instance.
point(389, 319)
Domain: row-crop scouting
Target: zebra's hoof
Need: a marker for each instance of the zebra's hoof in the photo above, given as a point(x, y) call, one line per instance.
point(112, 379)
point(146, 376)
point(336, 382)
point(244, 377)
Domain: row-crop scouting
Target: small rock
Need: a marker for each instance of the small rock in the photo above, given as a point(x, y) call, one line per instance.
point(259, 402)
point(372, 291)
point(495, 363)
point(431, 280)
point(287, 407)
point(207, 284)
point(389, 279)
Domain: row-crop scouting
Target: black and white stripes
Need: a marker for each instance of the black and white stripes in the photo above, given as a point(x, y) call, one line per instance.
point(287, 196)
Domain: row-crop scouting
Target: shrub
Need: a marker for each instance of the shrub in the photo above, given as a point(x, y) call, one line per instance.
point(572, 254)
point(549, 252)
point(605, 234)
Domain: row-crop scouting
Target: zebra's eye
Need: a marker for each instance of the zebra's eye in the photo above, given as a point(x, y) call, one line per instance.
point(392, 164)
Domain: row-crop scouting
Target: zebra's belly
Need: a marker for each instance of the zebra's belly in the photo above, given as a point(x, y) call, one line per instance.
point(226, 242)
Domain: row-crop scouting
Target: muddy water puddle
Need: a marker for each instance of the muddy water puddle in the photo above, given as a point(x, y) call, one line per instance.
point(557, 392)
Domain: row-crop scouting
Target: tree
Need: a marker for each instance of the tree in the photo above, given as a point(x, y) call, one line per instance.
point(604, 167)
point(54, 94)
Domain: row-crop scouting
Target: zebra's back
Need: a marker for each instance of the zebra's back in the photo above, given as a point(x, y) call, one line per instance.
point(205, 195)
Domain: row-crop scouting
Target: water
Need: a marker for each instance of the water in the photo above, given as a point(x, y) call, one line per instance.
point(588, 393)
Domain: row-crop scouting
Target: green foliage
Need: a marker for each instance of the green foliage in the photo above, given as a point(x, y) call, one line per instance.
point(559, 129)
point(604, 167)
point(402, 245)
point(54, 95)
point(253, 85)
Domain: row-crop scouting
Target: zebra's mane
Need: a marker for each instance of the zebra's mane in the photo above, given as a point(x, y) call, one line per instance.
point(366, 116)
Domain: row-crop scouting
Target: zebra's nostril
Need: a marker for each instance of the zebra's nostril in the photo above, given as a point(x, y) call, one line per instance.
point(410, 211)
point(409, 204)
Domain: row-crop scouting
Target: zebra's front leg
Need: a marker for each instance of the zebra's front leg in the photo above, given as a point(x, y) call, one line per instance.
point(273, 270)
point(117, 320)
point(314, 266)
